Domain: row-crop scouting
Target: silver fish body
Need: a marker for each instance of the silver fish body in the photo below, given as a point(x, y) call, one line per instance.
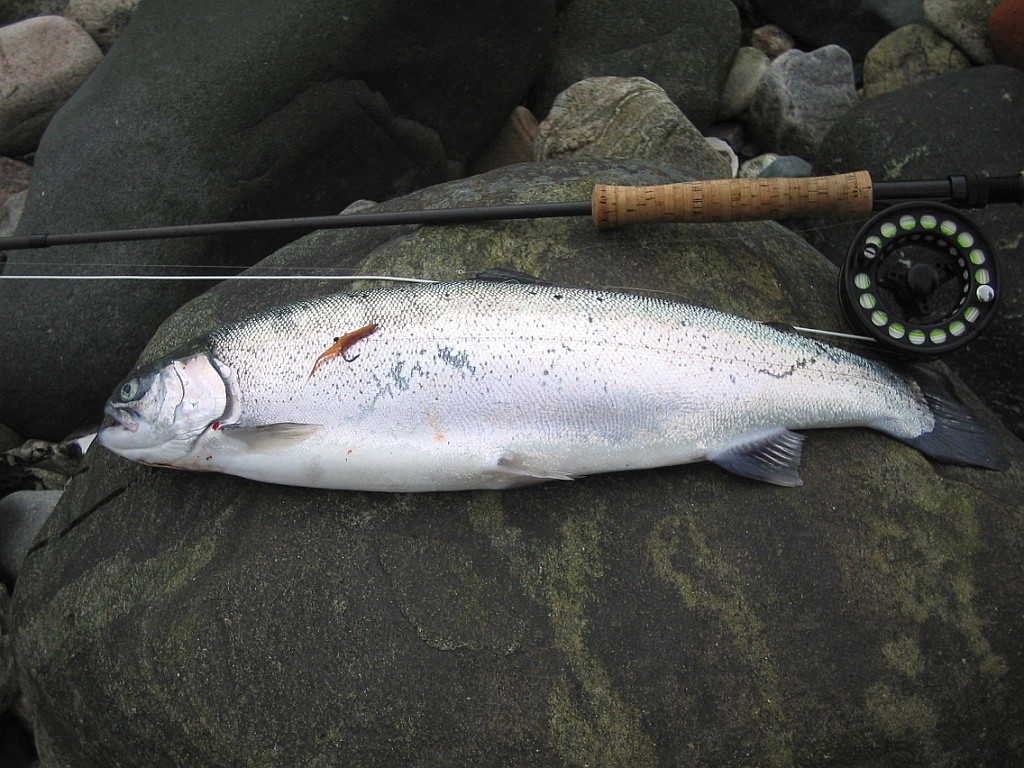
point(489, 385)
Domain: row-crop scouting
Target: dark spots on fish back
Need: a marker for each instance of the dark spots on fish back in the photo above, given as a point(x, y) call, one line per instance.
point(803, 362)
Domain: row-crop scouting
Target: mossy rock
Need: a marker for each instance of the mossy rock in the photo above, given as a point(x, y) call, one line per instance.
point(680, 616)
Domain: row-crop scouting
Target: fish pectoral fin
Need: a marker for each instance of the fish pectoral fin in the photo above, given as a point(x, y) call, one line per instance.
point(773, 457)
point(269, 438)
point(515, 466)
point(341, 346)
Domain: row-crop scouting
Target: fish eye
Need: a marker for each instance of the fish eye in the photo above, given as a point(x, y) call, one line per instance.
point(129, 390)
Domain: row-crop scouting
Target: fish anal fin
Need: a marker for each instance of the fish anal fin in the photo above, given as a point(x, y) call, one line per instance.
point(269, 438)
point(341, 345)
point(520, 471)
point(772, 457)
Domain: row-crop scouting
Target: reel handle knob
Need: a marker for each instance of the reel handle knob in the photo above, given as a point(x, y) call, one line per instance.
point(847, 195)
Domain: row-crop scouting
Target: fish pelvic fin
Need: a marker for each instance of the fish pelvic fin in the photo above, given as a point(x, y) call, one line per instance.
point(520, 471)
point(957, 437)
point(773, 457)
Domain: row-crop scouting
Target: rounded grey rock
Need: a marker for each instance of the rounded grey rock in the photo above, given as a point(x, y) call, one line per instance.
point(911, 54)
point(104, 20)
point(799, 98)
point(747, 69)
point(788, 166)
point(965, 23)
point(625, 117)
point(45, 59)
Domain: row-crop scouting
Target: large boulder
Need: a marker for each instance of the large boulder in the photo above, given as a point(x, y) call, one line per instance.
point(686, 47)
point(963, 122)
point(681, 616)
point(238, 111)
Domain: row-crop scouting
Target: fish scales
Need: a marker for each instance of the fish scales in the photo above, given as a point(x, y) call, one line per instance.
point(489, 385)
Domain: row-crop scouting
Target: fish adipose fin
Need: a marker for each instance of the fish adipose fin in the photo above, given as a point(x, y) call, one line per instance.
point(269, 438)
point(773, 458)
point(957, 438)
point(340, 347)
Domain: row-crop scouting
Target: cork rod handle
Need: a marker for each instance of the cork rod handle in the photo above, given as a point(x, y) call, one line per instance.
point(848, 194)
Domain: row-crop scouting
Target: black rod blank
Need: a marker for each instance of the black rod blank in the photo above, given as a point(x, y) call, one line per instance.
point(309, 223)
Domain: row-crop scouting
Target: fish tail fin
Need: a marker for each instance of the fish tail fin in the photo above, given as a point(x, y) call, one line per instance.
point(957, 437)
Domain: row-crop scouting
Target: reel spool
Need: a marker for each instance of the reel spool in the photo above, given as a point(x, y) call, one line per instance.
point(921, 279)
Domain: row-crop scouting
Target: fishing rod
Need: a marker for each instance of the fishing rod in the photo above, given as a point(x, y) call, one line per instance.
point(920, 277)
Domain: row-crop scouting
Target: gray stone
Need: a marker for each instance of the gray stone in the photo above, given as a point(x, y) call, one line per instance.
point(747, 69)
point(234, 111)
point(756, 166)
point(45, 59)
point(625, 117)
point(964, 22)
point(675, 617)
point(788, 166)
point(104, 20)
point(911, 54)
point(856, 25)
point(964, 122)
point(22, 514)
point(799, 97)
point(686, 47)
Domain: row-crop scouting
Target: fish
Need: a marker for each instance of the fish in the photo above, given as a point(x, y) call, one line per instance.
point(494, 384)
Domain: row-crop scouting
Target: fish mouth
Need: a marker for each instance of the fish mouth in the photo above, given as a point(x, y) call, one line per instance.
point(124, 418)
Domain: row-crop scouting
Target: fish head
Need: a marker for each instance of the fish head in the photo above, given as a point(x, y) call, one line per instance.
point(160, 411)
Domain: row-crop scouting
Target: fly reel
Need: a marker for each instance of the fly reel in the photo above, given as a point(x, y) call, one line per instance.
point(920, 278)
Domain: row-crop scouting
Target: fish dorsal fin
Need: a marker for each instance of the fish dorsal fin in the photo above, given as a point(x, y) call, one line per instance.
point(773, 457)
point(269, 438)
point(501, 275)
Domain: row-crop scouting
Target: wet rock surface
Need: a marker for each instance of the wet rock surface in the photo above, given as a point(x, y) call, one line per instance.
point(341, 107)
point(909, 134)
point(681, 616)
point(639, 618)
